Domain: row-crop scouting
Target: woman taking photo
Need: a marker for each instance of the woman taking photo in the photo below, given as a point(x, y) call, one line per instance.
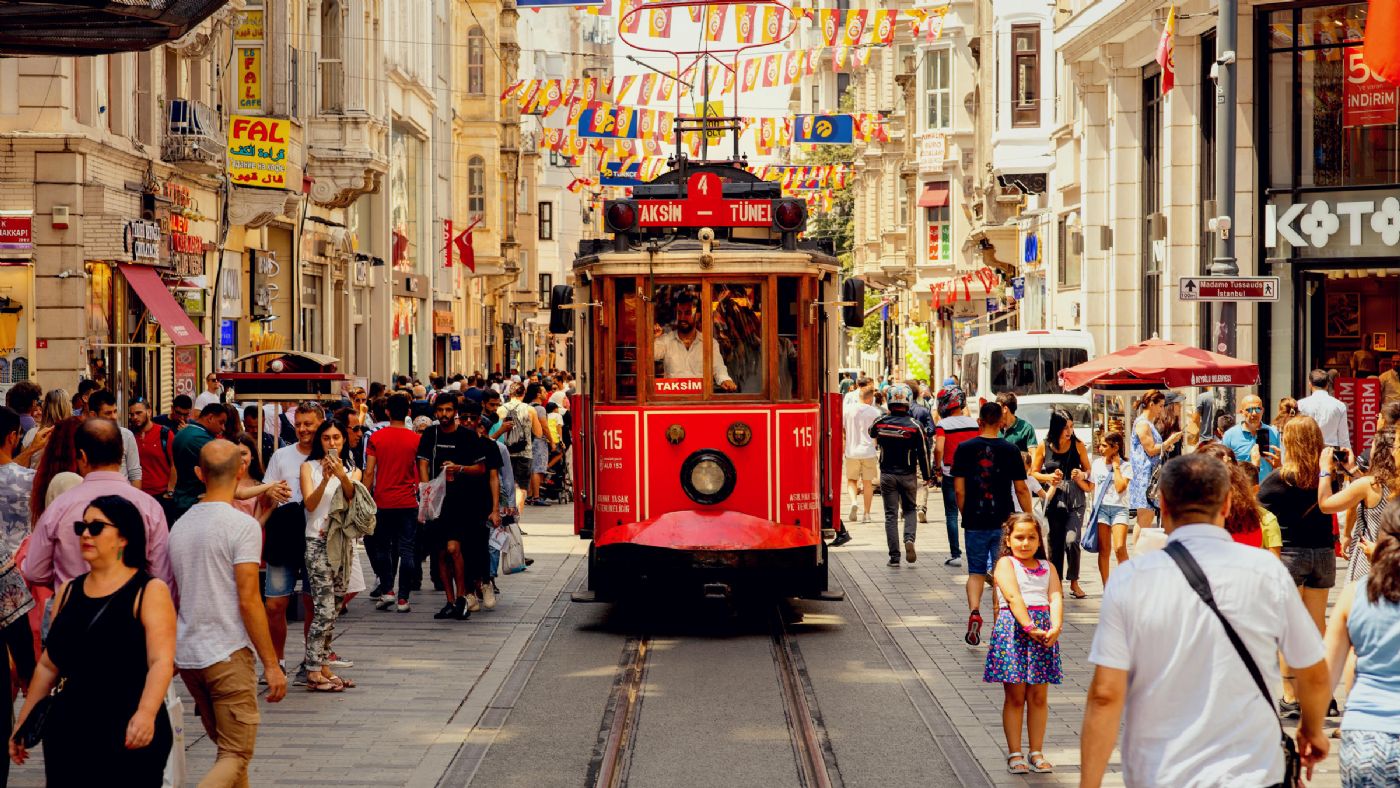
point(1369, 496)
point(1145, 448)
point(1366, 625)
point(326, 473)
point(111, 649)
point(1291, 493)
point(1062, 464)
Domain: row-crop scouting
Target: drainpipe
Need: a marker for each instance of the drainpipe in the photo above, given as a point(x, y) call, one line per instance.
point(1223, 333)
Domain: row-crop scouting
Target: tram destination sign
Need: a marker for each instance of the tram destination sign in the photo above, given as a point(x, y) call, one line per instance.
point(704, 206)
point(1228, 288)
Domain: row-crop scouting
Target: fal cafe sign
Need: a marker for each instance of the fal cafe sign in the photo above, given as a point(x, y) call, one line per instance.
point(1367, 227)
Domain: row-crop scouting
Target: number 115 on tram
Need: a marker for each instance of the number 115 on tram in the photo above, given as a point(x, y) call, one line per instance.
point(707, 444)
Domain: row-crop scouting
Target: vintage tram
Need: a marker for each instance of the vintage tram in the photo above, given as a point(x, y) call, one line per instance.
point(707, 425)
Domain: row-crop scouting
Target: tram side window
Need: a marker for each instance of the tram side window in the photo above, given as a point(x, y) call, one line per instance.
point(737, 311)
point(625, 302)
point(789, 316)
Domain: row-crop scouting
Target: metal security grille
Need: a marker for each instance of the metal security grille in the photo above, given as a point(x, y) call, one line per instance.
point(29, 27)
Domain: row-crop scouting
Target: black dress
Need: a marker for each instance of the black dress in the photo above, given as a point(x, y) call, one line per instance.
point(1065, 514)
point(103, 665)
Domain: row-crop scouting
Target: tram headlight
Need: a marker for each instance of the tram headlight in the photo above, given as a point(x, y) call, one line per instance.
point(789, 215)
point(707, 477)
point(620, 216)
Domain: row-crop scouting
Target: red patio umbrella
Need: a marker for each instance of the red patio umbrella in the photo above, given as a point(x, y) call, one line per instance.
point(1157, 362)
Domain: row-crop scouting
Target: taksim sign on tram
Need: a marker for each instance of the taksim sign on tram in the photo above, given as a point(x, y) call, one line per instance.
point(704, 206)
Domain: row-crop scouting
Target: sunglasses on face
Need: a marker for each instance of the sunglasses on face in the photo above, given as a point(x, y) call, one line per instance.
point(1253, 410)
point(92, 528)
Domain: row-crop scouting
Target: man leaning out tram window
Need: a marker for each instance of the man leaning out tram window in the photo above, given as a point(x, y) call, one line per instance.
point(679, 351)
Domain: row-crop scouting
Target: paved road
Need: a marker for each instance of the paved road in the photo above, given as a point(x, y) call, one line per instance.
point(515, 696)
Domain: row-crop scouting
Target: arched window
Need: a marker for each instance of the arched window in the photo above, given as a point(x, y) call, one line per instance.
point(476, 61)
point(476, 186)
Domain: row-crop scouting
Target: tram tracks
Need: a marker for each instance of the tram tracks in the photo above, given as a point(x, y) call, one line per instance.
point(814, 759)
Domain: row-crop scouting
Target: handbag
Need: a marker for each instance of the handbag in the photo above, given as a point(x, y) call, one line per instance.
point(31, 732)
point(513, 554)
point(175, 769)
point(1292, 763)
point(1154, 486)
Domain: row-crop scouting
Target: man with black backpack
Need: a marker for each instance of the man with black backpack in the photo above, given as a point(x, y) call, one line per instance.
point(520, 425)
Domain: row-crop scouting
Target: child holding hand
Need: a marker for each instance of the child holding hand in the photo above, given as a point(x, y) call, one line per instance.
point(1025, 654)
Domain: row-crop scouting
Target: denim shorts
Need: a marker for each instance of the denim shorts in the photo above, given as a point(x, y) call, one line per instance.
point(983, 550)
point(1113, 515)
point(282, 580)
point(1311, 567)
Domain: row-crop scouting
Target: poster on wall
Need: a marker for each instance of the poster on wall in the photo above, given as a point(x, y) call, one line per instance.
point(1343, 315)
point(186, 363)
point(1368, 99)
point(1362, 396)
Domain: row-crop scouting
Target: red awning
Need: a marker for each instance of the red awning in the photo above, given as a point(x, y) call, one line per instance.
point(157, 298)
point(1156, 362)
point(935, 195)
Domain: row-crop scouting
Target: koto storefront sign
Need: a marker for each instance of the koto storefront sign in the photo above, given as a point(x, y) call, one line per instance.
point(16, 231)
point(1335, 224)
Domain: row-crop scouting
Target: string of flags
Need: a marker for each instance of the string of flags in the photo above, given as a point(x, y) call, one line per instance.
point(766, 24)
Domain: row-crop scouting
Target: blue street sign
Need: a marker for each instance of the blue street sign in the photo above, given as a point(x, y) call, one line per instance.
point(456, 342)
point(1018, 287)
point(227, 331)
point(824, 129)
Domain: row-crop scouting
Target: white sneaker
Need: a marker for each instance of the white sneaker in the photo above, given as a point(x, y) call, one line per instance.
point(473, 604)
point(402, 606)
point(488, 597)
point(334, 660)
point(854, 511)
point(384, 602)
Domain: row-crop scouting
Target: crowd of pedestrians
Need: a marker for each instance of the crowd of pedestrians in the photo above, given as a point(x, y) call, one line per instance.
point(175, 544)
point(1218, 539)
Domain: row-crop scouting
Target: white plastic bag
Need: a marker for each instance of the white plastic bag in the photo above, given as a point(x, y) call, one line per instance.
point(1149, 539)
point(430, 497)
point(513, 554)
point(175, 771)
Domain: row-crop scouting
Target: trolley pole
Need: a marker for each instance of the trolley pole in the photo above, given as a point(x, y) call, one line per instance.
point(1223, 333)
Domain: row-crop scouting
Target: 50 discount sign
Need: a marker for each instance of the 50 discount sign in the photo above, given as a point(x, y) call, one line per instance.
point(1369, 100)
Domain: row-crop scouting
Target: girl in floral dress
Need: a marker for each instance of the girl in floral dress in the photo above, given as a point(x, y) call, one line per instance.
point(1024, 656)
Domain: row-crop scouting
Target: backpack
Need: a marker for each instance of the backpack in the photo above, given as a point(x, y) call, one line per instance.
point(518, 445)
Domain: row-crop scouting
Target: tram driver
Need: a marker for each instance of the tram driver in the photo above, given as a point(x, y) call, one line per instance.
point(679, 351)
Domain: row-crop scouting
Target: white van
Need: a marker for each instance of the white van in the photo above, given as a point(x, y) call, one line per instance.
point(1022, 362)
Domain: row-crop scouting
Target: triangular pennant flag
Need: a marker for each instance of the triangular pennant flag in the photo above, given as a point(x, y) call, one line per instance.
point(854, 28)
point(830, 24)
point(714, 21)
point(660, 22)
point(744, 23)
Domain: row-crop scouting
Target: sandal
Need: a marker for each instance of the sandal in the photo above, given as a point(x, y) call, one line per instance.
point(342, 683)
point(1038, 763)
point(1016, 764)
point(322, 684)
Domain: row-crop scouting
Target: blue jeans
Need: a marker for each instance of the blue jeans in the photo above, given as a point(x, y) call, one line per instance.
point(394, 542)
point(951, 514)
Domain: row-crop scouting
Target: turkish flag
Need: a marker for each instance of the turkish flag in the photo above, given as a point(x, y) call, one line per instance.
point(1380, 47)
point(463, 242)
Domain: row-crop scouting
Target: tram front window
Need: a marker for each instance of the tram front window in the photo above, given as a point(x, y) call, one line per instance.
point(734, 339)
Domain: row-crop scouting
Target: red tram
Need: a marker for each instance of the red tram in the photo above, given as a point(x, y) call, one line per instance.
point(707, 425)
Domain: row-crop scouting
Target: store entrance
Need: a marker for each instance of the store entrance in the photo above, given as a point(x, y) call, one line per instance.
point(1350, 322)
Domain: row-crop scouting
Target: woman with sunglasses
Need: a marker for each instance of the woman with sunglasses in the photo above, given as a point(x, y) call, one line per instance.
point(111, 650)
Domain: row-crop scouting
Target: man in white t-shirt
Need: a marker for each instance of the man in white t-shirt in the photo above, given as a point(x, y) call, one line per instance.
point(214, 552)
point(1194, 716)
point(210, 394)
point(862, 455)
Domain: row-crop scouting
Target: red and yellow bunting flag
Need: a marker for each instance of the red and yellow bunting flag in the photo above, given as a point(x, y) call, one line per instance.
point(663, 90)
point(659, 22)
point(631, 19)
point(862, 55)
point(714, 21)
point(884, 27)
point(771, 75)
point(627, 82)
point(854, 27)
point(792, 68)
point(695, 11)
point(750, 69)
point(744, 23)
point(772, 28)
point(647, 85)
point(830, 21)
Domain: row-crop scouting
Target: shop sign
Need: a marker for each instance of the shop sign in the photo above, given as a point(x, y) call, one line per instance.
point(249, 26)
point(186, 361)
point(1362, 397)
point(257, 151)
point(1368, 100)
point(142, 241)
point(1228, 288)
point(933, 150)
point(1341, 227)
point(456, 342)
point(250, 79)
point(16, 231)
point(1018, 288)
point(443, 322)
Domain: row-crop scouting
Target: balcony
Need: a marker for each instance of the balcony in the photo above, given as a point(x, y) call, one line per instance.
point(192, 138)
point(346, 156)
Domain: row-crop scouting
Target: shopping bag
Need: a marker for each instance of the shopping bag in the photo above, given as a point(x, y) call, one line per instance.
point(430, 497)
point(175, 771)
point(513, 554)
point(1089, 537)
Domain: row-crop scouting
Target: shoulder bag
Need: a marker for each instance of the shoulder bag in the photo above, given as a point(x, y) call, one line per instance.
point(1292, 763)
point(32, 731)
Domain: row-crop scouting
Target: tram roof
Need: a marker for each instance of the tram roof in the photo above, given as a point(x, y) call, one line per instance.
point(683, 257)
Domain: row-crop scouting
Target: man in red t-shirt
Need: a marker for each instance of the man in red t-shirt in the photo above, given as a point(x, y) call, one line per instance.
point(391, 472)
point(154, 443)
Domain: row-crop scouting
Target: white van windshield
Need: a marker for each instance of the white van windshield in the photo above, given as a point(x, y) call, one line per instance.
point(1031, 370)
